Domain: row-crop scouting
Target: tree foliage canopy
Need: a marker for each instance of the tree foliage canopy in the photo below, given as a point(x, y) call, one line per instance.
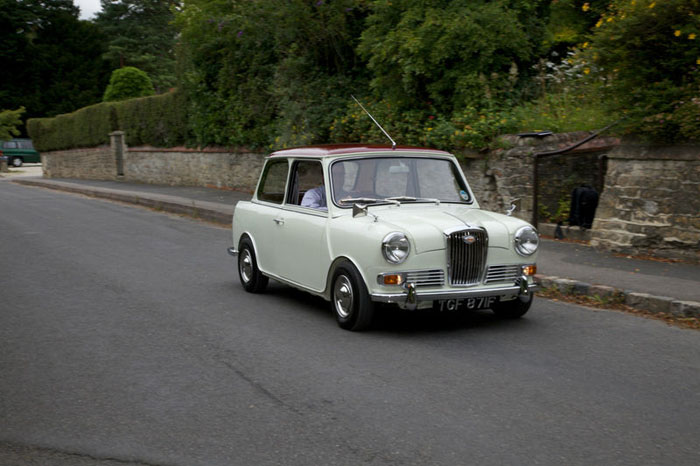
point(51, 61)
point(649, 54)
point(257, 69)
point(141, 33)
point(9, 121)
point(447, 52)
point(446, 73)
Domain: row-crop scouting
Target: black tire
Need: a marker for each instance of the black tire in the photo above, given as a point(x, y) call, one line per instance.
point(252, 279)
point(513, 309)
point(16, 162)
point(350, 301)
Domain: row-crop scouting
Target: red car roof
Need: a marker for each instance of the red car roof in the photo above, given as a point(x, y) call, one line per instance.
point(349, 149)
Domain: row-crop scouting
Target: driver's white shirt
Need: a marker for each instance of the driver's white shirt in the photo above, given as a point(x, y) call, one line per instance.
point(315, 198)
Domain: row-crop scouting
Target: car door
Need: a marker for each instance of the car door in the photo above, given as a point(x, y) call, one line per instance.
point(301, 237)
point(265, 225)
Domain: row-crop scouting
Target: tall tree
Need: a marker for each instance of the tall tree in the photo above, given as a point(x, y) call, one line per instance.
point(141, 34)
point(51, 60)
point(451, 53)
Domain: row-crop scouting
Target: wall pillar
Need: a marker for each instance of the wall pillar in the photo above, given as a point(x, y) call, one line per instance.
point(117, 142)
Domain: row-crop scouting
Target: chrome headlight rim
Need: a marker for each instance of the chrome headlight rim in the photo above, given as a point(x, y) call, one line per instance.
point(526, 241)
point(396, 248)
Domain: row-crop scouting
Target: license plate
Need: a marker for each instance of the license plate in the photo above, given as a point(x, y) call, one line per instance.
point(482, 302)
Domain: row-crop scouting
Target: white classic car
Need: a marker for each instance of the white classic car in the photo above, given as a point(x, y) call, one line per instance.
point(361, 224)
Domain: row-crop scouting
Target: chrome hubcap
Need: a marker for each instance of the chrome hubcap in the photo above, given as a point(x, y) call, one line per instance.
point(245, 265)
point(342, 296)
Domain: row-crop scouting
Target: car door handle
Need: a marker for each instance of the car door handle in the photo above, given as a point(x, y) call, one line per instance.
point(278, 221)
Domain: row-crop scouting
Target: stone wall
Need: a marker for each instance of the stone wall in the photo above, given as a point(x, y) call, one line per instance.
point(508, 173)
point(95, 163)
point(175, 167)
point(184, 167)
point(651, 202)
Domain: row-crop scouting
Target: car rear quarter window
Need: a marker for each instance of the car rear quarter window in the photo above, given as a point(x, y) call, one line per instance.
point(274, 181)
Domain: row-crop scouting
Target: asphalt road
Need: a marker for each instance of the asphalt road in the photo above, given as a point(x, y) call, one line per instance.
point(125, 339)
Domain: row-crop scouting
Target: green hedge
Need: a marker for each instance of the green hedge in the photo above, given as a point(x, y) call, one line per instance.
point(158, 120)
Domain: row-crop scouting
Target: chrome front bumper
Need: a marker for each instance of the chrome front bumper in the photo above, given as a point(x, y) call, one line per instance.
point(411, 295)
point(232, 251)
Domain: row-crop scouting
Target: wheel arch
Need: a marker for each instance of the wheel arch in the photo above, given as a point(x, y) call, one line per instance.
point(249, 237)
point(332, 269)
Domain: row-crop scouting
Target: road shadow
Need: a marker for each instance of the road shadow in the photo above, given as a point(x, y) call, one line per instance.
point(391, 320)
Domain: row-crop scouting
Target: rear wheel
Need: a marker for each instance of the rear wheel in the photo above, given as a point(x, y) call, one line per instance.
point(350, 300)
point(16, 162)
point(252, 279)
point(513, 309)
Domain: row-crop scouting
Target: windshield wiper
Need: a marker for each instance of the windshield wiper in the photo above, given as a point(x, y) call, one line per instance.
point(368, 200)
point(364, 200)
point(413, 199)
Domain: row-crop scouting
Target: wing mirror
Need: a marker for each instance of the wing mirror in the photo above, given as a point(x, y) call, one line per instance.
point(514, 205)
point(361, 210)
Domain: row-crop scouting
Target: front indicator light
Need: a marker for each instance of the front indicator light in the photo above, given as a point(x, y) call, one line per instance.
point(393, 279)
point(529, 270)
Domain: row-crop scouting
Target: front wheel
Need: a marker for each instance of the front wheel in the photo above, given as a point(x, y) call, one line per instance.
point(350, 300)
point(513, 309)
point(252, 279)
point(16, 162)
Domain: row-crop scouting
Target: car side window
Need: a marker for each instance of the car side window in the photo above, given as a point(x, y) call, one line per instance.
point(307, 188)
point(274, 181)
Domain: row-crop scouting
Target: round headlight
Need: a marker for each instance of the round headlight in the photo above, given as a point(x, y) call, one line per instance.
point(395, 247)
point(526, 241)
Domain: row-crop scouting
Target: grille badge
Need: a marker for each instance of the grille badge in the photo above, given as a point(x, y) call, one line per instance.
point(470, 239)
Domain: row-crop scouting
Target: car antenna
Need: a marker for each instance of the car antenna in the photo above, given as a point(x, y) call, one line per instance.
point(393, 143)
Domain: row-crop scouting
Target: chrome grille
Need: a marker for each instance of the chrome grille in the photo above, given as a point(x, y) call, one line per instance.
point(502, 273)
point(466, 261)
point(426, 277)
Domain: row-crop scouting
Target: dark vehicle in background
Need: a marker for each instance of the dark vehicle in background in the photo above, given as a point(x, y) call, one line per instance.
point(19, 151)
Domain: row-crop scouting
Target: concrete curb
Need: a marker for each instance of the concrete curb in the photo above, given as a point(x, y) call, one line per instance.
point(636, 300)
point(203, 210)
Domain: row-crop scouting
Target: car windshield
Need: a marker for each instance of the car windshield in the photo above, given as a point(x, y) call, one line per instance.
point(397, 179)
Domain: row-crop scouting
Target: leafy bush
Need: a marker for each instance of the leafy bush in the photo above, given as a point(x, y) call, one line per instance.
point(9, 121)
point(650, 52)
point(567, 99)
point(468, 129)
point(128, 82)
point(157, 120)
point(88, 127)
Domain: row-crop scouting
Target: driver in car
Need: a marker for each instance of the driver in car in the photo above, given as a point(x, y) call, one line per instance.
point(316, 197)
